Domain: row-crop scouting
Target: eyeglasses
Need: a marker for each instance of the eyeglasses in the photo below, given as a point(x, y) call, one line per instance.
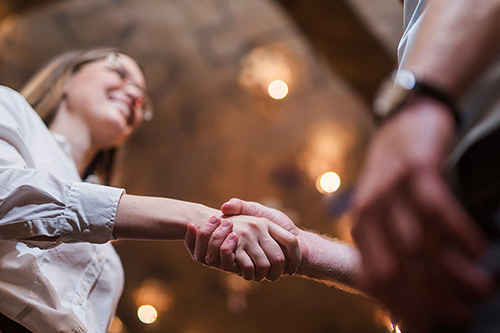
point(144, 102)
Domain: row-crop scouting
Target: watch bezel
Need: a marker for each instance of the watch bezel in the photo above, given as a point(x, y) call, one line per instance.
point(395, 92)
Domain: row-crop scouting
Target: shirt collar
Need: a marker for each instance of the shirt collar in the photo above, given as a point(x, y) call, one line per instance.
point(63, 143)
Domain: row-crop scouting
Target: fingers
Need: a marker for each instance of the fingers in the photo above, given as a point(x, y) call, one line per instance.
point(203, 237)
point(406, 233)
point(439, 206)
point(292, 249)
point(275, 259)
point(246, 265)
point(470, 279)
point(215, 244)
point(227, 254)
point(190, 238)
point(217, 237)
point(378, 259)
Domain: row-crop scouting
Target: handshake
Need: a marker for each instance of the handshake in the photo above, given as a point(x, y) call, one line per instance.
point(258, 242)
point(251, 240)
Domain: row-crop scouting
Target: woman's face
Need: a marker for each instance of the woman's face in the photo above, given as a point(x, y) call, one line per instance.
point(107, 96)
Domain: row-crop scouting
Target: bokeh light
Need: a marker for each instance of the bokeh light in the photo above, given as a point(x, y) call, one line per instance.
point(147, 314)
point(278, 89)
point(328, 182)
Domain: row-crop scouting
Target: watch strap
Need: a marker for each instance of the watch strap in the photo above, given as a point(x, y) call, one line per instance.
point(402, 89)
point(425, 89)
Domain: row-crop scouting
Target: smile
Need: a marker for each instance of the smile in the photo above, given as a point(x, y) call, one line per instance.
point(123, 106)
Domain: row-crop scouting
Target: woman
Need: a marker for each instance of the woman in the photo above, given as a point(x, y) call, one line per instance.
point(59, 273)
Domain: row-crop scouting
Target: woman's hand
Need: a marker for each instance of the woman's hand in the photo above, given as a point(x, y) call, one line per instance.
point(253, 247)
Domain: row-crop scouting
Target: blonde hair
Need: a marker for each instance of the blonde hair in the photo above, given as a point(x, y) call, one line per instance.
point(45, 92)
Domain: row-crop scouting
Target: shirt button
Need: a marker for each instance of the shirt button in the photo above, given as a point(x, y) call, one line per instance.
point(99, 257)
point(79, 301)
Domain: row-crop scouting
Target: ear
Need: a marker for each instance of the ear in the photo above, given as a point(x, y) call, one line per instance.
point(66, 87)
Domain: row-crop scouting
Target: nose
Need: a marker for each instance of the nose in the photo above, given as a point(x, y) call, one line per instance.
point(135, 93)
point(132, 88)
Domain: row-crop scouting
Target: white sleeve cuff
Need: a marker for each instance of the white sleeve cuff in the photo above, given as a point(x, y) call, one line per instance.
point(90, 213)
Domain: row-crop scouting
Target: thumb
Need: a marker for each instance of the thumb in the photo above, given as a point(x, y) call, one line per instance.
point(241, 207)
point(232, 207)
point(190, 238)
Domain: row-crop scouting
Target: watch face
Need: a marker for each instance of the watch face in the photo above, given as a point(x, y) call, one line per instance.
point(394, 92)
point(405, 79)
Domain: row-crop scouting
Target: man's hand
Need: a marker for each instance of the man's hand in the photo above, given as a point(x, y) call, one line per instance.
point(420, 249)
point(237, 207)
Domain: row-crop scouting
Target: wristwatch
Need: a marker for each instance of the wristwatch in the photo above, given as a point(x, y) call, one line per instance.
point(401, 88)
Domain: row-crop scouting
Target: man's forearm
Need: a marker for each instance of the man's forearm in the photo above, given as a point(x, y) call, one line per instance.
point(456, 41)
point(329, 261)
point(140, 217)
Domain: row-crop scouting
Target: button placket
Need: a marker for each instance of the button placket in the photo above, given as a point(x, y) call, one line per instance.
point(87, 280)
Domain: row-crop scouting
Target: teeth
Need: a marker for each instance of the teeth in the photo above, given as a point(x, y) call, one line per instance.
point(121, 104)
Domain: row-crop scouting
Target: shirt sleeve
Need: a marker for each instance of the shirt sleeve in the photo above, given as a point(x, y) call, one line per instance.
point(41, 209)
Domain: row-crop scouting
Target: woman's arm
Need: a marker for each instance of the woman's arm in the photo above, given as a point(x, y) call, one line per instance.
point(257, 252)
point(41, 204)
point(142, 217)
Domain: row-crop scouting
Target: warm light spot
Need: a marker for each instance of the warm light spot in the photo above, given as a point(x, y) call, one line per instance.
point(147, 314)
point(396, 329)
point(328, 182)
point(154, 293)
point(278, 89)
point(116, 326)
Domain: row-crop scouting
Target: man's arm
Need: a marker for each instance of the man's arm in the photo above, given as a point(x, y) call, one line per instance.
point(420, 248)
point(329, 261)
point(456, 41)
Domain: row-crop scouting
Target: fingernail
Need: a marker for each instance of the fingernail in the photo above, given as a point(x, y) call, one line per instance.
point(212, 220)
point(231, 237)
point(225, 223)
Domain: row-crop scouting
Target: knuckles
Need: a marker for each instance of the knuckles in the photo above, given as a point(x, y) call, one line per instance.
point(217, 236)
point(255, 225)
point(205, 233)
point(277, 259)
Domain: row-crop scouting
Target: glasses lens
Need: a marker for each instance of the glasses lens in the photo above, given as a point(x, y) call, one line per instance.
point(147, 108)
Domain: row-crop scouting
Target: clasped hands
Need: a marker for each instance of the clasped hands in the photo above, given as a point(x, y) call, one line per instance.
point(255, 242)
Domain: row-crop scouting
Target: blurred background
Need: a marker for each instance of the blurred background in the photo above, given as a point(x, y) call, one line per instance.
point(266, 100)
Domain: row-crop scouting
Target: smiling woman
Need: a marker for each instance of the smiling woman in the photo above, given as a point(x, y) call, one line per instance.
point(62, 88)
point(59, 272)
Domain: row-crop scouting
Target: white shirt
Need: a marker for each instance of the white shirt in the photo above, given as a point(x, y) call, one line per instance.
point(71, 280)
